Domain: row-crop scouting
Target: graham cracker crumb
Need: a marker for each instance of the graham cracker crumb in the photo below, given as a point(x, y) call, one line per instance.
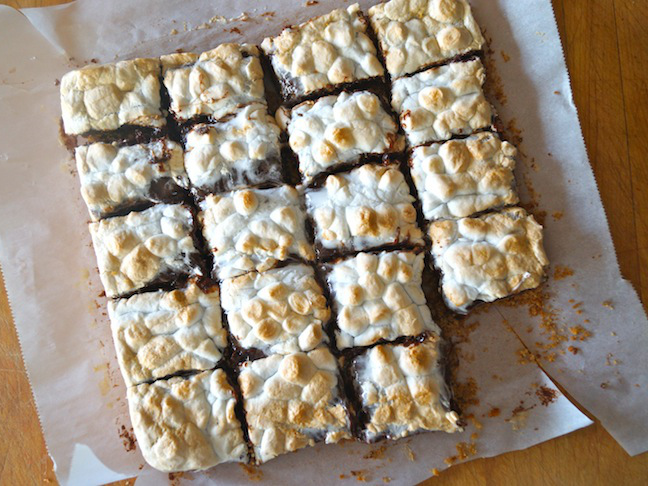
point(562, 271)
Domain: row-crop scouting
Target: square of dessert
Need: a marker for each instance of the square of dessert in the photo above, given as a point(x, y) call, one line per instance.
point(240, 151)
point(334, 131)
point(442, 102)
point(462, 177)
point(322, 54)
point(141, 250)
point(378, 297)
point(254, 229)
point(213, 84)
point(162, 333)
point(116, 178)
point(402, 390)
point(413, 35)
point(112, 96)
point(279, 311)
point(187, 423)
point(489, 257)
point(368, 207)
point(292, 402)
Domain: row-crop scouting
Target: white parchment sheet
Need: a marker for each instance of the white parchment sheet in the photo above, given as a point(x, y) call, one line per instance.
point(53, 285)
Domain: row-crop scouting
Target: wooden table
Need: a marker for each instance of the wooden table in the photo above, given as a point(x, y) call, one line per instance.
point(606, 44)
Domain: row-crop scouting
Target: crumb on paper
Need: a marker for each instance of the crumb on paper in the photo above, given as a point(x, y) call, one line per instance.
point(217, 19)
point(386, 479)
point(311, 3)
point(608, 304)
point(494, 84)
point(562, 271)
point(203, 26)
point(557, 215)
point(573, 349)
point(519, 417)
point(435, 472)
point(342, 476)
point(235, 30)
point(610, 360)
point(579, 333)
point(464, 451)
point(505, 56)
point(360, 475)
point(546, 395)
point(605, 384)
point(253, 473)
point(556, 92)
point(128, 438)
point(494, 412)
point(377, 453)
point(268, 15)
point(410, 453)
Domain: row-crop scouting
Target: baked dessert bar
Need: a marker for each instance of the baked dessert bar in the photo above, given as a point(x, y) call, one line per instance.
point(144, 249)
point(253, 229)
point(189, 423)
point(441, 102)
point(162, 333)
point(324, 53)
point(488, 257)
point(369, 207)
point(116, 178)
point(213, 84)
point(240, 151)
point(111, 96)
point(413, 35)
point(459, 178)
point(341, 130)
point(293, 402)
point(402, 390)
point(378, 297)
point(280, 311)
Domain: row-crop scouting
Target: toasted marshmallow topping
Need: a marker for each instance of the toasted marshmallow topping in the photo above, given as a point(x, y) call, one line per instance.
point(488, 257)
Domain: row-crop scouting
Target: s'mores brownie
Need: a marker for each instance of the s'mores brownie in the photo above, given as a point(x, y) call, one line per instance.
point(253, 229)
point(441, 102)
point(292, 402)
point(162, 333)
point(341, 130)
point(402, 390)
point(240, 151)
point(415, 34)
point(144, 249)
point(322, 54)
point(186, 424)
point(112, 96)
point(279, 311)
point(488, 257)
point(116, 178)
point(459, 178)
point(378, 297)
point(368, 207)
point(213, 84)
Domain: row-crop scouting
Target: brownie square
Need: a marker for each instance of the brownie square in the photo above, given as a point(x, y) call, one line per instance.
point(292, 402)
point(368, 207)
point(334, 131)
point(242, 150)
point(441, 102)
point(378, 297)
point(162, 333)
point(279, 311)
point(144, 249)
point(254, 229)
point(116, 178)
point(186, 424)
point(413, 35)
point(487, 257)
point(459, 178)
point(111, 96)
point(402, 390)
point(322, 54)
point(213, 84)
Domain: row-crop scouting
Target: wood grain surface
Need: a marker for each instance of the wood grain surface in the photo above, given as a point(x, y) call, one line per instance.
point(606, 43)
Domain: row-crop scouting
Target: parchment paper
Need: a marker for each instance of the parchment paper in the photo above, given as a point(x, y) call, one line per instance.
point(53, 285)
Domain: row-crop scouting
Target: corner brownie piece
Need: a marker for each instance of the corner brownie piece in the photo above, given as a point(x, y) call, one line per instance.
point(253, 229)
point(413, 35)
point(463, 177)
point(111, 96)
point(488, 257)
point(441, 102)
point(326, 52)
point(115, 178)
point(369, 207)
point(379, 297)
point(341, 130)
point(292, 402)
point(402, 390)
point(242, 150)
point(143, 249)
point(186, 424)
point(213, 84)
point(279, 311)
point(162, 333)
